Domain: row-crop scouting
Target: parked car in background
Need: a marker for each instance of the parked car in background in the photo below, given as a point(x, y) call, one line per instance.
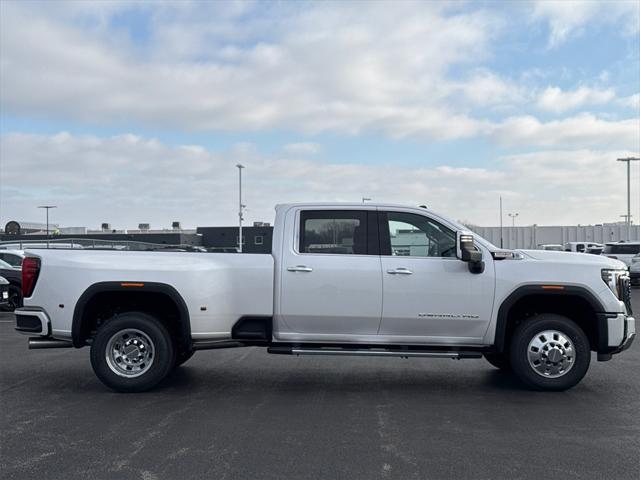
point(554, 247)
point(12, 257)
point(14, 276)
point(595, 250)
point(4, 292)
point(580, 247)
point(623, 251)
point(634, 270)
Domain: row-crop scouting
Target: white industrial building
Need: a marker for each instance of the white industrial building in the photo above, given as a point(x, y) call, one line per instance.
point(532, 236)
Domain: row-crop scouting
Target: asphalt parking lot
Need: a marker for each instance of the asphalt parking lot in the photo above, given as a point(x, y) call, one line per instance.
point(244, 414)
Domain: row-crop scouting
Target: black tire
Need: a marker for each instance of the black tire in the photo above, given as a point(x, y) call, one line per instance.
point(154, 346)
point(572, 363)
point(183, 356)
point(15, 298)
point(499, 360)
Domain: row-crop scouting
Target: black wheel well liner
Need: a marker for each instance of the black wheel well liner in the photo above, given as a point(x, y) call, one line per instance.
point(131, 288)
point(566, 292)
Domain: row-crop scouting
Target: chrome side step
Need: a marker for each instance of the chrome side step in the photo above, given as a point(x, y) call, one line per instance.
point(373, 352)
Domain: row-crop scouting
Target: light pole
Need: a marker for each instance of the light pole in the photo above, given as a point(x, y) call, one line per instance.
point(501, 222)
point(240, 206)
point(513, 218)
point(628, 160)
point(47, 208)
point(365, 199)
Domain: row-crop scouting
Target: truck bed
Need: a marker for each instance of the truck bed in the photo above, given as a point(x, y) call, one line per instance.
point(218, 288)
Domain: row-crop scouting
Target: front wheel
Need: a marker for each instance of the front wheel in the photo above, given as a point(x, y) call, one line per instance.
point(550, 352)
point(132, 352)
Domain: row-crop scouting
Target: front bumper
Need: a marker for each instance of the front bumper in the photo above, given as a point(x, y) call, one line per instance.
point(629, 334)
point(620, 334)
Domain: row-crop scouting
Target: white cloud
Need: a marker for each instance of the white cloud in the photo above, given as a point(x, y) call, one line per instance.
point(486, 88)
point(323, 68)
point(329, 67)
point(632, 101)
point(127, 179)
point(567, 18)
point(578, 131)
point(302, 148)
point(556, 100)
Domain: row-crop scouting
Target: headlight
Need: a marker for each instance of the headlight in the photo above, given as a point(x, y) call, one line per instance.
point(612, 279)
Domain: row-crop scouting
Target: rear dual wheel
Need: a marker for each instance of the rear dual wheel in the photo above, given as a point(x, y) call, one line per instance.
point(132, 352)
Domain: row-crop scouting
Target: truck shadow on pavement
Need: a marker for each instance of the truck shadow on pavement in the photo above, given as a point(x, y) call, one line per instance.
point(190, 379)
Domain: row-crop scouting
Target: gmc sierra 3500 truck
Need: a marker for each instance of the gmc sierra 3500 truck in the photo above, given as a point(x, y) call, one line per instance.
point(342, 279)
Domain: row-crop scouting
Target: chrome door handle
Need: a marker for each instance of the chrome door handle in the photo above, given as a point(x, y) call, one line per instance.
point(300, 268)
point(400, 271)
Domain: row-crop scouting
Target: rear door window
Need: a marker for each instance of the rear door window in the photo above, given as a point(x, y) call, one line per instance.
point(338, 232)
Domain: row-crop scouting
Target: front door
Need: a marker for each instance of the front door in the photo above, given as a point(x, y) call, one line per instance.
point(331, 280)
point(427, 291)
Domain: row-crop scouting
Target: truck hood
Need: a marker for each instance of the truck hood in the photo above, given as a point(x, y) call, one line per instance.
point(576, 258)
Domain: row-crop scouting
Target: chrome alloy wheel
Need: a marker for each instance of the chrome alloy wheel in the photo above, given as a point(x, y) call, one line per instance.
point(551, 354)
point(129, 353)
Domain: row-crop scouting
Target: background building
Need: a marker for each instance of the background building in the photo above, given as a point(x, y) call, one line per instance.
point(532, 236)
point(258, 238)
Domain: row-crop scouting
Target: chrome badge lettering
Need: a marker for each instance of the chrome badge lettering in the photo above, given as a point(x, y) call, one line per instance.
point(448, 315)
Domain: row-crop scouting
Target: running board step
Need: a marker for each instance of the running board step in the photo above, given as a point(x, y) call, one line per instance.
point(372, 352)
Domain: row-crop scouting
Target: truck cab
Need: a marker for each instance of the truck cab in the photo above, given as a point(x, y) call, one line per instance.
point(377, 274)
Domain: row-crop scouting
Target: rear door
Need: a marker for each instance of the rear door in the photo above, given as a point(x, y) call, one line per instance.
point(330, 276)
point(427, 291)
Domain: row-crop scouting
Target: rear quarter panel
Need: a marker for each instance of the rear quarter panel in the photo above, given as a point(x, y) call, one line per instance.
point(226, 285)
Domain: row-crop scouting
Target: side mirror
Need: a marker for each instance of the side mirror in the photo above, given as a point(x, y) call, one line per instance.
point(467, 252)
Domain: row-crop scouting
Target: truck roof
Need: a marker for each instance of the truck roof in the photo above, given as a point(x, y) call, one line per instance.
point(347, 204)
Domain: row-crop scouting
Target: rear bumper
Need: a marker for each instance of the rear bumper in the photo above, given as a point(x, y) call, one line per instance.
point(30, 321)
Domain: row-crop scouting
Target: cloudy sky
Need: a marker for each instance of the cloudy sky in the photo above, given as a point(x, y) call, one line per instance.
point(135, 111)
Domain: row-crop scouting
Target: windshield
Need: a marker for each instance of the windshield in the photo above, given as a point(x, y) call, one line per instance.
point(459, 226)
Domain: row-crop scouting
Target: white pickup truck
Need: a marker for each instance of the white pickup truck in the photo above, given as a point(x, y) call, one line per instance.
point(342, 279)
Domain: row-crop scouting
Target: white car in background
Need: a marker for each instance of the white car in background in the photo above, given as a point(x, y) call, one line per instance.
point(554, 247)
point(623, 251)
point(580, 247)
